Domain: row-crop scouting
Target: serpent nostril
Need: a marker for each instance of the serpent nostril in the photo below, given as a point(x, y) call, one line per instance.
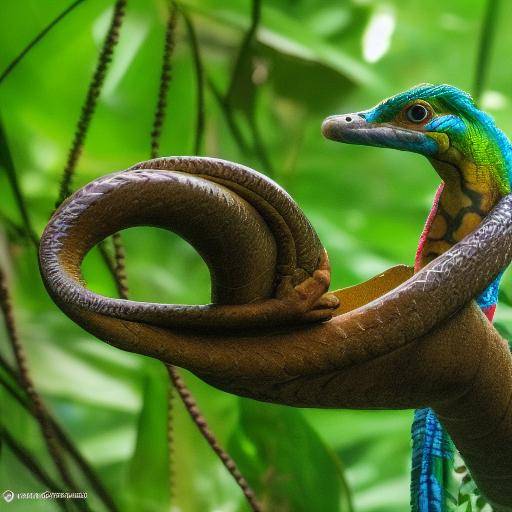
point(348, 119)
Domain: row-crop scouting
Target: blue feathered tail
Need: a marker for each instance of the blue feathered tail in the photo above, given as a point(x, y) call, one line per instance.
point(432, 463)
point(433, 450)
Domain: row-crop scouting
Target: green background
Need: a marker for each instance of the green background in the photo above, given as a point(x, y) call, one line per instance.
point(311, 58)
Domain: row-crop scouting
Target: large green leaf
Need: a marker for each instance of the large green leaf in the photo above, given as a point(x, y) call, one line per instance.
point(286, 462)
point(147, 482)
point(289, 36)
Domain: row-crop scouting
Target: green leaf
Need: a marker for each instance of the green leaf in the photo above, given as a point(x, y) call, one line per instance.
point(285, 461)
point(147, 482)
point(291, 37)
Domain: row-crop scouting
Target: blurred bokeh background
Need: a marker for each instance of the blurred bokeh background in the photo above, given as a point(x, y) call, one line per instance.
point(309, 59)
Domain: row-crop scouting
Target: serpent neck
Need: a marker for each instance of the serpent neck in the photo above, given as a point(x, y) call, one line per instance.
point(469, 193)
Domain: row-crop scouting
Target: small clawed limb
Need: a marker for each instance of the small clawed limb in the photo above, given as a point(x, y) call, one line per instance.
point(309, 301)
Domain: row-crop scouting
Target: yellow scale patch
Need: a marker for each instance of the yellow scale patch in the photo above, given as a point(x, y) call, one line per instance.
point(453, 199)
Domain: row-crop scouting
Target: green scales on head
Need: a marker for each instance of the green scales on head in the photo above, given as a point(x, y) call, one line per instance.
point(474, 159)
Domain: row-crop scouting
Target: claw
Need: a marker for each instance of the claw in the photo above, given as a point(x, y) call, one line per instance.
point(317, 315)
point(309, 300)
point(327, 300)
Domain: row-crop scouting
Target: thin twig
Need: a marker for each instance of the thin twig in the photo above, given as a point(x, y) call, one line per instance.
point(170, 437)
point(111, 265)
point(226, 102)
point(229, 115)
point(9, 370)
point(165, 80)
point(91, 100)
point(115, 264)
point(14, 231)
point(120, 266)
point(259, 145)
point(245, 48)
point(484, 48)
point(244, 54)
point(108, 259)
point(27, 384)
point(210, 438)
point(6, 161)
point(198, 65)
point(30, 463)
point(15, 393)
point(10, 67)
point(21, 397)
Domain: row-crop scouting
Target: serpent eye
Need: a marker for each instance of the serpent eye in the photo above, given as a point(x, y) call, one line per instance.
point(417, 113)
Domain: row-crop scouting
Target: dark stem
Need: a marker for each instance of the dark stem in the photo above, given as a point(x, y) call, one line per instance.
point(91, 100)
point(64, 439)
point(198, 65)
point(6, 161)
point(245, 48)
point(10, 67)
point(202, 425)
point(120, 266)
point(165, 80)
point(30, 463)
point(15, 232)
point(15, 393)
point(484, 48)
point(244, 53)
point(229, 116)
point(259, 145)
point(170, 437)
point(27, 384)
point(109, 262)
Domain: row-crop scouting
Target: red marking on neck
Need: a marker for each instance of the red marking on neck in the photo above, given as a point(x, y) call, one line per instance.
point(426, 229)
point(489, 312)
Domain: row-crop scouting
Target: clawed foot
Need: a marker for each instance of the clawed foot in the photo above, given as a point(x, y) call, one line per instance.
point(309, 301)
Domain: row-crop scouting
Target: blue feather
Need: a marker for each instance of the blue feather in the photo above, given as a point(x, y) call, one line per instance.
point(432, 447)
point(432, 451)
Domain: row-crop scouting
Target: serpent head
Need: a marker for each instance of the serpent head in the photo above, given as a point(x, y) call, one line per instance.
point(440, 122)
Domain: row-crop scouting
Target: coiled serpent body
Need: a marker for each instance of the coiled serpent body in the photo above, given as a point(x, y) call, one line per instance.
point(420, 342)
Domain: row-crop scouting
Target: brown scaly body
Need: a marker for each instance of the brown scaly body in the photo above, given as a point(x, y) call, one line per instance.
point(421, 342)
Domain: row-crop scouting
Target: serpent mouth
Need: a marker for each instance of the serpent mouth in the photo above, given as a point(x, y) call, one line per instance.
point(355, 129)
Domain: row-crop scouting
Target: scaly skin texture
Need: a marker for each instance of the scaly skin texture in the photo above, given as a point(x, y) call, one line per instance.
point(398, 348)
point(473, 157)
point(464, 202)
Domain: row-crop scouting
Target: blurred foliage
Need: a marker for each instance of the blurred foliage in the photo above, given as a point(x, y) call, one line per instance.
point(311, 59)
